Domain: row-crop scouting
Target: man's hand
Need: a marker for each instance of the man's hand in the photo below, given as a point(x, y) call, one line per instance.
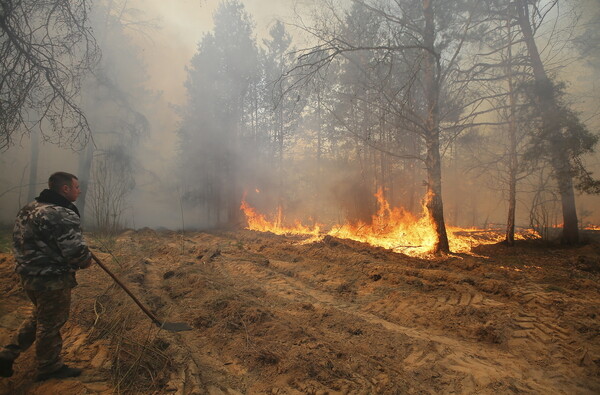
point(85, 264)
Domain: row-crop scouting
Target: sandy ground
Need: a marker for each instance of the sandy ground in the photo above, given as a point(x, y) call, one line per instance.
point(271, 315)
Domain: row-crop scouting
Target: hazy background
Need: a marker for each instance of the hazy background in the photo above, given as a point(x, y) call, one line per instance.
point(152, 68)
point(164, 48)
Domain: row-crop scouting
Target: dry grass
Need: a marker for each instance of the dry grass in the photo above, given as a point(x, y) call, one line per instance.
point(139, 361)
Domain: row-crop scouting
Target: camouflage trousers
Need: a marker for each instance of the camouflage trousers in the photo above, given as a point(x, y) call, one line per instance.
point(51, 311)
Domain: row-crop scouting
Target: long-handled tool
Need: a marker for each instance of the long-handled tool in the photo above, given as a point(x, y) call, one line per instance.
point(168, 326)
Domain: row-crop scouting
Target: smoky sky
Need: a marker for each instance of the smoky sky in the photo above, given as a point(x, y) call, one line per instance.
point(166, 50)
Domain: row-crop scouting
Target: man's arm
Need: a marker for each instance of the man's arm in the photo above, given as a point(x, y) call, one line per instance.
point(69, 238)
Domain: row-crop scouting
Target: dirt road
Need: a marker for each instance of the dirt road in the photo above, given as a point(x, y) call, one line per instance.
point(275, 315)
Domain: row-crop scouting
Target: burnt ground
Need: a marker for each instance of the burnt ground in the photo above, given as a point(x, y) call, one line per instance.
point(271, 315)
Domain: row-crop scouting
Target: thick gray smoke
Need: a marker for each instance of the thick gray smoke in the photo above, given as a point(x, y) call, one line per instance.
point(196, 105)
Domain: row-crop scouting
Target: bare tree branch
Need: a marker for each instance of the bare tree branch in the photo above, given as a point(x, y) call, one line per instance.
point(47, 48)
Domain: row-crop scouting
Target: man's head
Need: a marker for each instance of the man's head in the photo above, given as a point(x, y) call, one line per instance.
point(64, 184)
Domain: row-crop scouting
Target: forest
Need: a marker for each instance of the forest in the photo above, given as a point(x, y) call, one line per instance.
point(422, 173)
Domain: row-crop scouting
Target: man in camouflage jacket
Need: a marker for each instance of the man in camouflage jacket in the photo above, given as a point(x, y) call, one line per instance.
point(49, 249)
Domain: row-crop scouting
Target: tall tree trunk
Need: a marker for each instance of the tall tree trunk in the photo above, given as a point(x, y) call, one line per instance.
point(234, 193)
point(383, 162)
point(414, 181)
point(84, 175)
point(512, 185)
point(549, 111)
point(433, 162)
point(280, 149)
point(512, 148)
point(319, 178)
point(33, 165)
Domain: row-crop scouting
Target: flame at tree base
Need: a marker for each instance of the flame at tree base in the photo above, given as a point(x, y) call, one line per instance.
point(393, 228)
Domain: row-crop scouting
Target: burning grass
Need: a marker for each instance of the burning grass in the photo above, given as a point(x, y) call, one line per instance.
point(393, 228)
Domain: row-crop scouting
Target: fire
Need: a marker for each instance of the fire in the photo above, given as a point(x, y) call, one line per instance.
point(391, 227)
point(257, 221)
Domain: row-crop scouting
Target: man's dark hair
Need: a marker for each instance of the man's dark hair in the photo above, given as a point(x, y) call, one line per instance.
point(59, 179)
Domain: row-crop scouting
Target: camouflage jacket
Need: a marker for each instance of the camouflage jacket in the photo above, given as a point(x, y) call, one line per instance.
point(48, 243)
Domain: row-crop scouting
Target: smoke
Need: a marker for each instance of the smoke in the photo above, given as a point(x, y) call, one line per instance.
point(306, 187)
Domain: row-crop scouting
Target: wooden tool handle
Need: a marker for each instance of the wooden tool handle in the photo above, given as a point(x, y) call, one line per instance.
point(141, 306)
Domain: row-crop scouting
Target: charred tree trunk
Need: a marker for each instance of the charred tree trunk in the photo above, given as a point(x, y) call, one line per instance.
point(415, 181)
point(433, 197)
point(84, 174)
point(280, 149)
point(319, 170)
point(383, 160)
point(549, 111)
point(512, 186)
point(233, 192)
point(233, 188)
point(512, 149)
point(33, 168)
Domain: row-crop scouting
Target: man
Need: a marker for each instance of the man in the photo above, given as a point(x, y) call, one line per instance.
point(49, 248)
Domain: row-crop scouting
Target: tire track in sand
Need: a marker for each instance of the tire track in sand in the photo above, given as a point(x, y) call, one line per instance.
point(476, 365)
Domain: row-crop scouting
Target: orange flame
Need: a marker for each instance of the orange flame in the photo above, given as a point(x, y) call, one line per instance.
point(257, 221)
point(391, 227)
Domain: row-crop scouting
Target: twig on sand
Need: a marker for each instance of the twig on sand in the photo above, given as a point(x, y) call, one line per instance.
point(108, 251)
